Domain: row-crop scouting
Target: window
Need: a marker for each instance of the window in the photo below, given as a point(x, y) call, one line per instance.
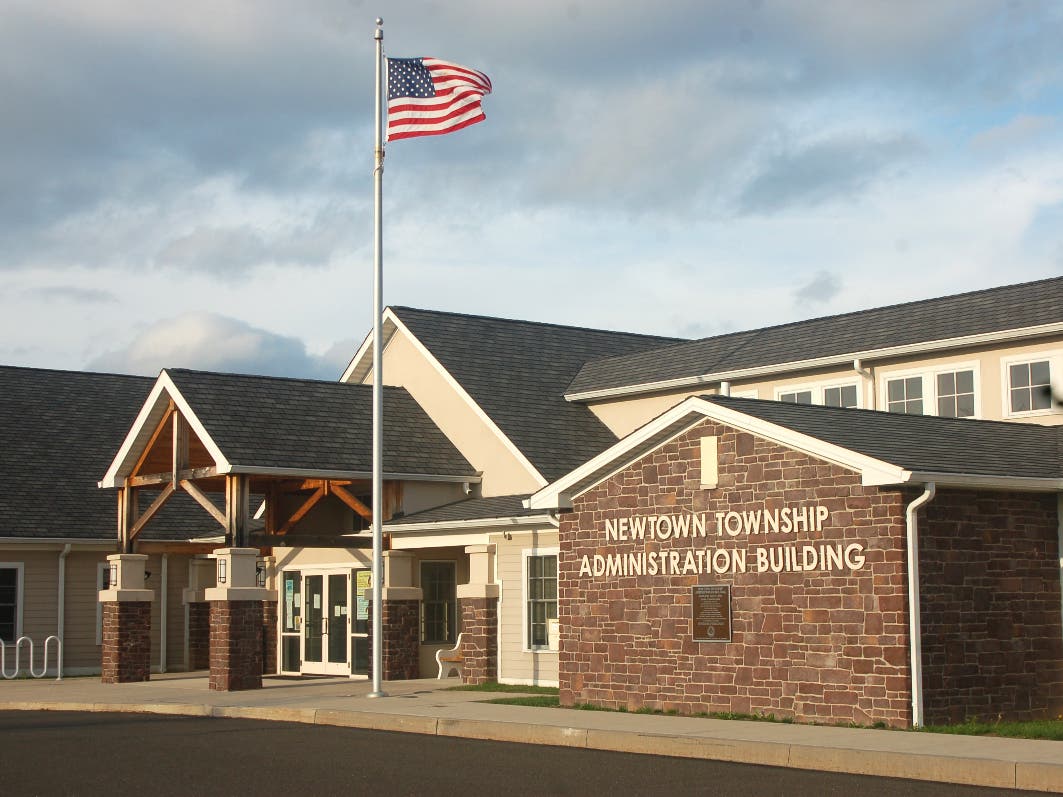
point(103, 581)
point(905, 395)
point(841, 396)
point(955, 394)
point(439, 602)
point(10, 602)
point(542, 598)
point(1029, 386)
point(797, 397)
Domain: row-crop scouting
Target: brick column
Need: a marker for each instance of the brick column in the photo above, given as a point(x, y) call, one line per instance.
point(126, 622)
point(236, 616)
point(400, 615)
point(201, 576)
point(478, 601)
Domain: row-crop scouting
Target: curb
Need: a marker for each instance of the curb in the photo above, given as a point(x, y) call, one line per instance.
point(1023, 775)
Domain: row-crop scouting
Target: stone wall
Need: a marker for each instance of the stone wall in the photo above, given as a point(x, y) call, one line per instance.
point(126, 654)
point(479, 639)
point(401, 643)
point(235, 645)
point(992, 640)
point(818, 645)
point(198, 635)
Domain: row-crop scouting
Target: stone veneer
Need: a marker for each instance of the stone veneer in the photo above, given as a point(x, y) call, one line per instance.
point(818, 646)
point(126, 655)
point(198, 635)
point(479, 639)
point(235, 645)
point(401, 643)
point(992, 639)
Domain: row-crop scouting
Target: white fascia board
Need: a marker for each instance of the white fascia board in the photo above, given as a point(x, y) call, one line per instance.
point(923, 347)
point(366, 349)
point(476, 408)
point(305, 473)
point(412, 542)
point(877, 471)
point(497, 523)
point(38, 543)
point(977, 480)
point(165, 390)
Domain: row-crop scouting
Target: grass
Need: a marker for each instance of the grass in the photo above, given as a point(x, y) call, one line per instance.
point(493, 686)
point(547, 697)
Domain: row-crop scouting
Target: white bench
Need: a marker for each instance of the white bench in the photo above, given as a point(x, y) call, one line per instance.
point(450, 659)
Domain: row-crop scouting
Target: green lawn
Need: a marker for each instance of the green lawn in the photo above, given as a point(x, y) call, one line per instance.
point(492, 686)
point(1034, 729)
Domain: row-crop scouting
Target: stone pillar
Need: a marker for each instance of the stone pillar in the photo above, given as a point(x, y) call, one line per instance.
point(126, 621)
point(201, 576)
point(236, 621)
point(478, 602)
point(401, 617)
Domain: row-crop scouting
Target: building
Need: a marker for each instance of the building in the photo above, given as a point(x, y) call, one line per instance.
point(535, 471)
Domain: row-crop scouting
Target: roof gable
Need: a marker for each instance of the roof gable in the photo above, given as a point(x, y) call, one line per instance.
point(962, 319)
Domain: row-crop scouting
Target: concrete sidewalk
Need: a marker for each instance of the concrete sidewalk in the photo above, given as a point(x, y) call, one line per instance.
point(426, 706)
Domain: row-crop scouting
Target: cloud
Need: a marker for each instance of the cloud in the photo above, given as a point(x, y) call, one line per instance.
point(823, 287)
point(71, 293)
point(837, 169)
point(212, 342)
point(1015, 133)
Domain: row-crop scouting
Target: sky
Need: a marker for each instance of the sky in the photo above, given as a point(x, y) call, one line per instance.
point(190, 184)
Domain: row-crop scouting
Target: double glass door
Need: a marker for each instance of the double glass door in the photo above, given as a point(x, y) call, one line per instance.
point(320, 634)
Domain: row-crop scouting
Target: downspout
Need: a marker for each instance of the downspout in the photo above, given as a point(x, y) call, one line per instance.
point(915, 640)
point(725, 388)
point(869, 375)
point(162, 612)
point(60, 630)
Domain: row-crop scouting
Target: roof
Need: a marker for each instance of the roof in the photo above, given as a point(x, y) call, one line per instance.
point(58, 431)
point(517, 372)
point(836, 338)
point(265, 422)
point(502, 507)
point(885, 448)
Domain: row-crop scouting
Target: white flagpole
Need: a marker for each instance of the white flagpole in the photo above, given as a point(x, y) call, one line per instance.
point(378, 380)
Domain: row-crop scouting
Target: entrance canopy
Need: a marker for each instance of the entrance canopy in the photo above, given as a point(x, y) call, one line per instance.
point(294, 444)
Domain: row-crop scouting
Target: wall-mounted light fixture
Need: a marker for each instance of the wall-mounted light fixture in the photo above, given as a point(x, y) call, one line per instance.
point(222, 575)
point(260, 573)
point(147, 575)
point(114, 574)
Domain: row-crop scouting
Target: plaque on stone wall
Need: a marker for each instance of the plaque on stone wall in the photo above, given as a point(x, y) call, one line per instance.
point(710, 612)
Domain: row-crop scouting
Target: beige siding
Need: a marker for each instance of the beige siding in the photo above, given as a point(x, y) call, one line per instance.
point(503, 474)
point(625, 415)
point(418, 496)
point(518, 664)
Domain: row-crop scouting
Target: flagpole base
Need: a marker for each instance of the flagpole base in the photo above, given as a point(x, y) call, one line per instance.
point(377, 694)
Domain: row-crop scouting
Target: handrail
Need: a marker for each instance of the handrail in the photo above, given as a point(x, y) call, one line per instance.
point(44, 658)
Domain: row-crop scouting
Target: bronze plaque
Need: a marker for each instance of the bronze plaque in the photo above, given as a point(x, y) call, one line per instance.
point(710, 607)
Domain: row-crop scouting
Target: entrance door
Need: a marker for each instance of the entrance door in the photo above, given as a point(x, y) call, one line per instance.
point(326, 612)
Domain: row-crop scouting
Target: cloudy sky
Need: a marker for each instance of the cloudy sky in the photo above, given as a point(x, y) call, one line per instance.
point(189, 184)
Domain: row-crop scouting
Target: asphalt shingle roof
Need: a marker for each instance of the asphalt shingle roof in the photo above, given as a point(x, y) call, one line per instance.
point(501, 506)
point(978, 312)
point(517, 372)
point(274, 422)
point(921, 442)
point(59, 430)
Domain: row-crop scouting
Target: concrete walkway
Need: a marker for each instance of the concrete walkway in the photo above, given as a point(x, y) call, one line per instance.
point(426, 706)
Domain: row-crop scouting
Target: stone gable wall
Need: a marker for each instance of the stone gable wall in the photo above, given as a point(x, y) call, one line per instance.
point(822, 646)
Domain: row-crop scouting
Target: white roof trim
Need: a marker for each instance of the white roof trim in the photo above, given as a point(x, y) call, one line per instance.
point(366, 348)
point(139, 434)
point(820, 362)
point(260, 470)
point(873, 471)
point(502, 523)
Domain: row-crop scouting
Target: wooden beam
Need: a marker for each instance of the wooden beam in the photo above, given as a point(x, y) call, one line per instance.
point(163, 546)
point(180, 446)
point(358, 507)
point(260, 540)
point(151, 479)
point(204, 502)
point(149, 513)
point(127, 515)
point(236, 509)
point(154, 437)
point(301, 512)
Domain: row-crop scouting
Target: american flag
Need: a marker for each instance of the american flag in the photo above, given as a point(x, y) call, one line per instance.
point(429, 97)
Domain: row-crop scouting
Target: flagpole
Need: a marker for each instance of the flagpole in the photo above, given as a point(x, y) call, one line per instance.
point(378, 366)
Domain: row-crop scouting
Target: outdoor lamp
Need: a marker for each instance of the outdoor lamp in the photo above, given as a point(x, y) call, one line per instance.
point(260, 573)
point(221, 571)
point(114, 574)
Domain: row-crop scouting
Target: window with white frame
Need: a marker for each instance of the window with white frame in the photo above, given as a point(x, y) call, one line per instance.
point(439, 602)
point(796, 397)
point(540, 597)
point(10, 602)
point(103, 581)
point(840, 396)
point(1029, 386)
point(905, 395)
point(955, 394)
